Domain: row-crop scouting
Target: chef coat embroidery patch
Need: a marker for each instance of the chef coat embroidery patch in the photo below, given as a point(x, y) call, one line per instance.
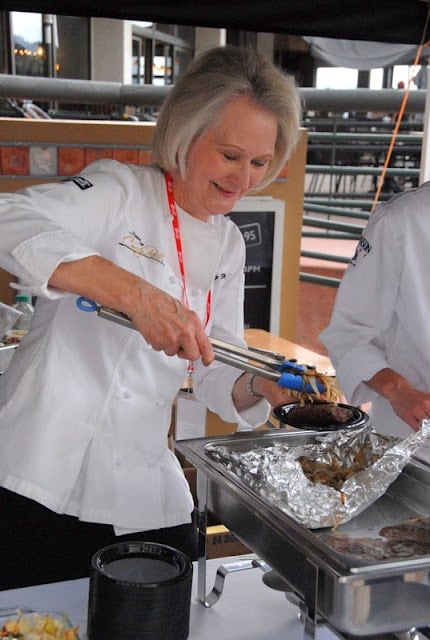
point(81, 182)
point(363, 249)
point(139, 248)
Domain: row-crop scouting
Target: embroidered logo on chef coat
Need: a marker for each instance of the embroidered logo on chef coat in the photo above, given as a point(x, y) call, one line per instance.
point(81, 182)
point(362, 250)
point(139, 248)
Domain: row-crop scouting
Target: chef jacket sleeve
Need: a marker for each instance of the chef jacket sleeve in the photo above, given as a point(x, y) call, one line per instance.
point(214, 384)
point(42, 226)
point(364, 308)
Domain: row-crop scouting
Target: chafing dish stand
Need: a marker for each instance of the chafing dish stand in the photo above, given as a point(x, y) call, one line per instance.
point(383, 599)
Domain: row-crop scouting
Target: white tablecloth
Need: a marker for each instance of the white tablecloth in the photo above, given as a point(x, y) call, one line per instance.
point(247, 609)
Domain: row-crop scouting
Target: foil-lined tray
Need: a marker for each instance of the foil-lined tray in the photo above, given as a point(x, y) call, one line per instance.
point(276, 474)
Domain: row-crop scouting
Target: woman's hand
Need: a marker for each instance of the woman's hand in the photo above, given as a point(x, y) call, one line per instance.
point(273, 393)
point(250, 389)
point(165, 323)
point(168, 325)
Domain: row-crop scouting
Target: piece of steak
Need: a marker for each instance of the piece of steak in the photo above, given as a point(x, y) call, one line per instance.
point(417, 529)
point(406, 548)
point(406, 540)
point(366, 549)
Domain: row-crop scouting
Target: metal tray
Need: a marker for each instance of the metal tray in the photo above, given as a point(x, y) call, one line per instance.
point(352, 596)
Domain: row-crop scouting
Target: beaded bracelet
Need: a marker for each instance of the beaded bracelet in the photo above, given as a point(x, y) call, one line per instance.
point(250, 388)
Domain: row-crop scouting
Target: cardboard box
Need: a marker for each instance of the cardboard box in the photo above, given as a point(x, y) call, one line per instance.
point(191, 419)
point(190, 473)
point(221, 543)
point(217, 427)
point(219, 540)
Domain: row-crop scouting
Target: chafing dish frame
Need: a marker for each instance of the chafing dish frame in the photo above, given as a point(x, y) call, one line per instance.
point(352, 597)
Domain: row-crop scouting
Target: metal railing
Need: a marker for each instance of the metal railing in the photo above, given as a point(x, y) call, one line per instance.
point(343, 167)
point(349, 149)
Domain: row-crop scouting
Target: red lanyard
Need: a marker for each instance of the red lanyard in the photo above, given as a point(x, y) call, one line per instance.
point(178, 241)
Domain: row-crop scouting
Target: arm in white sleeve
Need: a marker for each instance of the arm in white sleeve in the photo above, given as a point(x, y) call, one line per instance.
point(364, 308)
point(43, 226)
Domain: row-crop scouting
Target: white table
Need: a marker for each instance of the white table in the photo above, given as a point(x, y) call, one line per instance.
point(247, 609)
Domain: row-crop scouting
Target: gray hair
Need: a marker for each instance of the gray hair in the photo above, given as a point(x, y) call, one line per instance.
point(214, 79)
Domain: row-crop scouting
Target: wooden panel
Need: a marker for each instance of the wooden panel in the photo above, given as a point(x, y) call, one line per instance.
point(291, 191)
point(7, 294)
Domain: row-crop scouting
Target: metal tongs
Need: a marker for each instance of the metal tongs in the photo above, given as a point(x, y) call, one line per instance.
point(286, 373)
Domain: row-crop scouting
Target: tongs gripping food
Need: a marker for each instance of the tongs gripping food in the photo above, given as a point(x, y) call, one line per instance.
point(286, 373)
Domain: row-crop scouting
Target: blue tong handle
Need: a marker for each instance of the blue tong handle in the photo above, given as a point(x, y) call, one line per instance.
point(86, 304)
point(297, 381)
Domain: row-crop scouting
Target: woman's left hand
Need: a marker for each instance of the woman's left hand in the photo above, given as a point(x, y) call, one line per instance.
point(273, 393)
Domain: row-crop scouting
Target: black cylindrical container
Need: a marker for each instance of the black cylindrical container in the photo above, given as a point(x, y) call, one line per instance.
point(321, 416)
point(139, 591)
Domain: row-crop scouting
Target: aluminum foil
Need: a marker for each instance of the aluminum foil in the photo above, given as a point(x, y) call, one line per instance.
point(275, 474)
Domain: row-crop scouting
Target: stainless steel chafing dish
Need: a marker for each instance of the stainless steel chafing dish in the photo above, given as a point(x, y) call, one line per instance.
point(353, 596)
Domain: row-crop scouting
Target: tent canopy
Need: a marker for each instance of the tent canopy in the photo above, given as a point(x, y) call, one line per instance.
point(379, 20)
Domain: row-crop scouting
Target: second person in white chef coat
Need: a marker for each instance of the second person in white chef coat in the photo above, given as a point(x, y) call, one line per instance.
point(378, 337)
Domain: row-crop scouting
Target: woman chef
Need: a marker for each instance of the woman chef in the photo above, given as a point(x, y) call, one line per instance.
point(379, 333)
point(86, 403)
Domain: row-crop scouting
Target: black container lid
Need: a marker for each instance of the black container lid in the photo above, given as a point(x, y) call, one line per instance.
point(321, 416)
point(139, 591)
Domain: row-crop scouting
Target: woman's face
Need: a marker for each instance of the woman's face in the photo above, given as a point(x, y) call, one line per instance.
point(225, 162)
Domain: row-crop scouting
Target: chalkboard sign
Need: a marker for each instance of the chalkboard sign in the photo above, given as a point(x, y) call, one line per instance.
point(261, 222)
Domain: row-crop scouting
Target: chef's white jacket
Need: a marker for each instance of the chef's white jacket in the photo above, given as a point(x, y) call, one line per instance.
point(381, 315)
point(86, 403)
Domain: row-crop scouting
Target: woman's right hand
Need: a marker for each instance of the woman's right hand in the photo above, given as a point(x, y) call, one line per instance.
point(167, 325)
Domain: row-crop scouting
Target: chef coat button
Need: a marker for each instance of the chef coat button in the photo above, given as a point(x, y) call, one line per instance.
point(117, 462)
point(126, 394)
point(172, 279)
point(151, 463)
point(196, 292)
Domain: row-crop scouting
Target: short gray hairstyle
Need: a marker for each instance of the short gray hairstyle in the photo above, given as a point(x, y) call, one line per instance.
point(213, 79)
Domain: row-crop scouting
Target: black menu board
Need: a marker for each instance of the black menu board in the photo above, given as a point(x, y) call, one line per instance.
point(260, 221)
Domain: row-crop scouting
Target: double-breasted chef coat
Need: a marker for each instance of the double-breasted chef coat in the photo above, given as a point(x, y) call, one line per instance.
point(86, 403)
point(381, 316)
